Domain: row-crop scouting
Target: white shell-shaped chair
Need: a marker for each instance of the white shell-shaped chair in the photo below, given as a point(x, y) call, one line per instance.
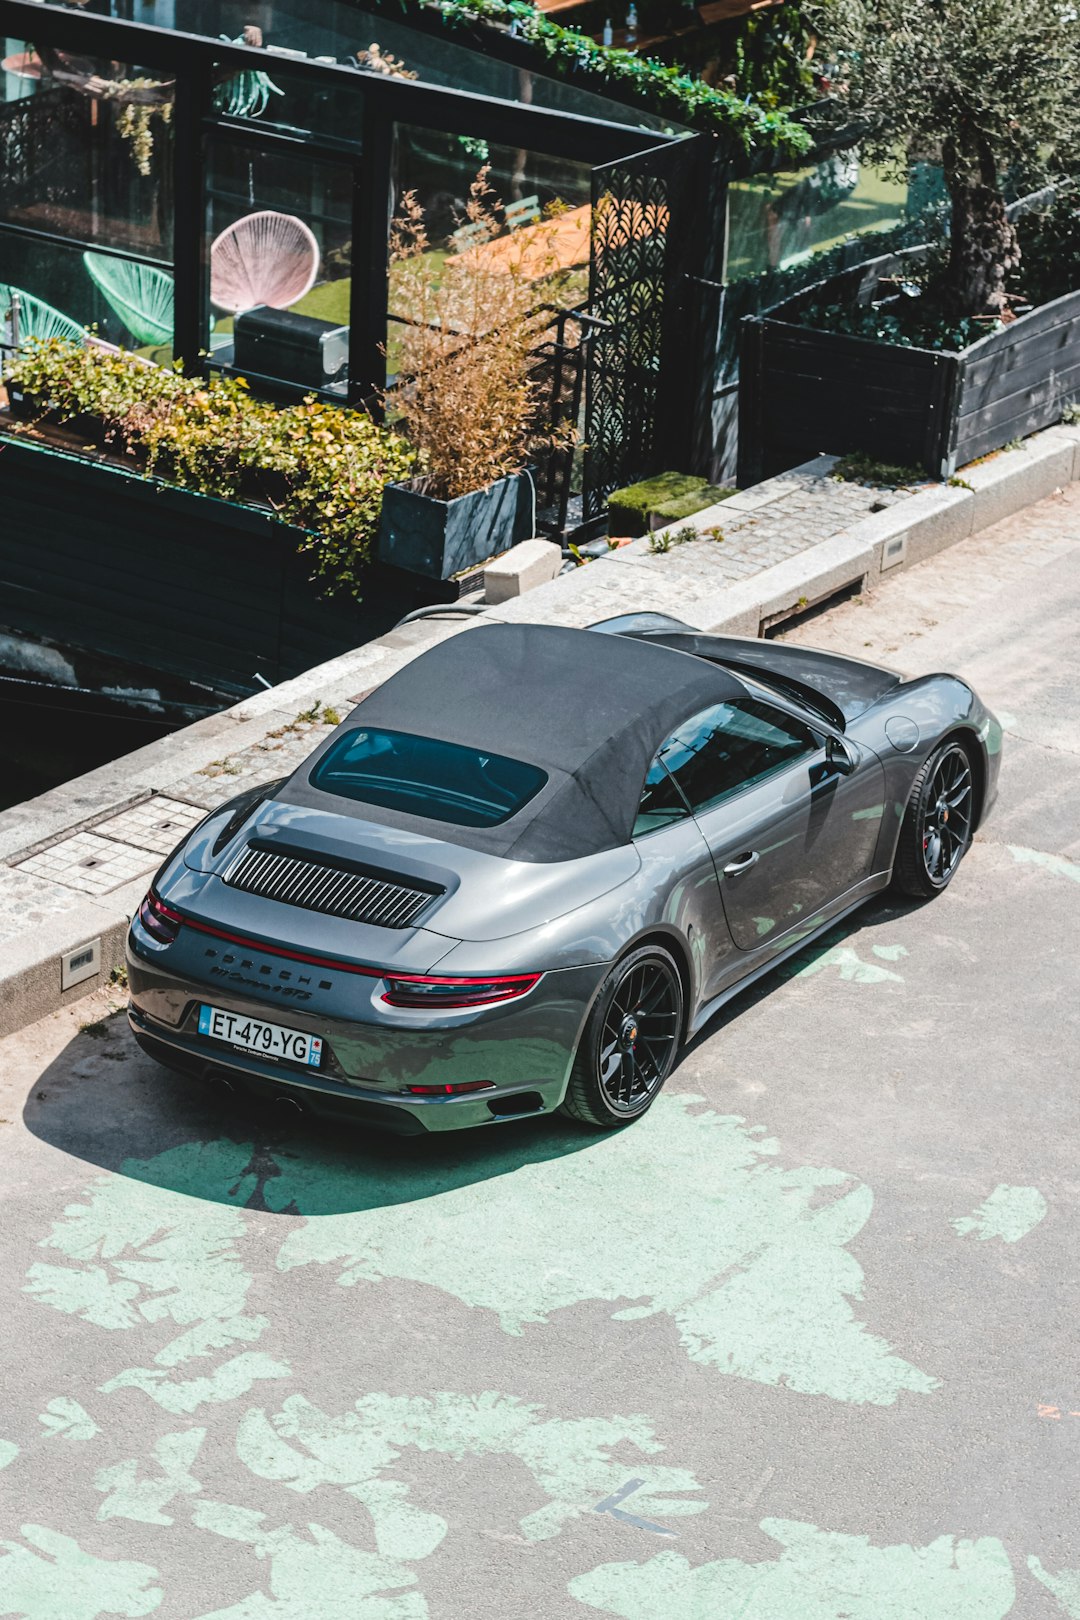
point(263, 258)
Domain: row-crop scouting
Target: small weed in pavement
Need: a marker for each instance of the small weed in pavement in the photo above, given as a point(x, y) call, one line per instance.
point(660, 543)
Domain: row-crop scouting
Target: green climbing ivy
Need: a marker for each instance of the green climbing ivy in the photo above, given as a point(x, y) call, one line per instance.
point(662, 88)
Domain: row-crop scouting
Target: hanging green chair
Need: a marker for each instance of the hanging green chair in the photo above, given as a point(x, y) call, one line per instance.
point(36, 318)
point(141, 295)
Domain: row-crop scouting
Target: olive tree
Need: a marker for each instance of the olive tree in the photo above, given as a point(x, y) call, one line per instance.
point(985, 87)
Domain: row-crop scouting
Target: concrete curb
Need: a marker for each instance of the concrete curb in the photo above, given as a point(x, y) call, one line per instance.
point(629, 580)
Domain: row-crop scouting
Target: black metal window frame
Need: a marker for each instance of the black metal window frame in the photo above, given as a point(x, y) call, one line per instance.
point(385, 101)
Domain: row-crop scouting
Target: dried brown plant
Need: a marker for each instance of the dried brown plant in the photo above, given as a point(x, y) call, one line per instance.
point(468, 396)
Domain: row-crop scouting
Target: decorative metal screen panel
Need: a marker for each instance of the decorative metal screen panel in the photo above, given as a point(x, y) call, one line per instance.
point(337, 891)
point(638, 219)
point(45, 158)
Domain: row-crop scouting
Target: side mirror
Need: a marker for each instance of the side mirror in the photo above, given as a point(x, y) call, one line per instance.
point(840, 756)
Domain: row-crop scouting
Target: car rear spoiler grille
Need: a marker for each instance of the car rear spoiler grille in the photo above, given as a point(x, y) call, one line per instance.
point(334, 889)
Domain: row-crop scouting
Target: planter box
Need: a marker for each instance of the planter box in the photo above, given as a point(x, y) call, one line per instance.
point(28, 408)
point(803, 392)
point(441, 538)
point(93, 556)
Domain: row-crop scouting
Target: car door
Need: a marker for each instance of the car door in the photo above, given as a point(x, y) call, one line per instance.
point(677, 881)
point(791, 830)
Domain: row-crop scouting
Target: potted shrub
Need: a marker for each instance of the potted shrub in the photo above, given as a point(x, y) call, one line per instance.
point(940, 356)
point(466, 396)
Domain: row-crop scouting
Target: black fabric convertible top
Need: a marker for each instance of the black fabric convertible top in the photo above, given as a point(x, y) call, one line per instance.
point(591, 710)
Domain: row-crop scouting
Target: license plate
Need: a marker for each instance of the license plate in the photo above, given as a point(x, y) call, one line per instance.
point(269, 1040)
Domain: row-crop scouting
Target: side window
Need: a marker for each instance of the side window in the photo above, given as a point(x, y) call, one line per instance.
point(731, 746)
point(661, 801)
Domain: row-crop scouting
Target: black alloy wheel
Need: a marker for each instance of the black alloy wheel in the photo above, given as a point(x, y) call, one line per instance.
point(938, 823)
point(630, 1041)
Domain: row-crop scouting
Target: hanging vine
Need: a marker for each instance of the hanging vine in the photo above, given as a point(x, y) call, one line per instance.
point(141, 108)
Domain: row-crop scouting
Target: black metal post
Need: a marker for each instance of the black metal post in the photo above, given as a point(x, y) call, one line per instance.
point(190, 308)
point(372, 204)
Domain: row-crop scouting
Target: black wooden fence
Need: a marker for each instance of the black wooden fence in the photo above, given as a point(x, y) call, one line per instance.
point(803, 392)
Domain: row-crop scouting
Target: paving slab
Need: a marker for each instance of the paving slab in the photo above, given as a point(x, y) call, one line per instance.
point(157, 824)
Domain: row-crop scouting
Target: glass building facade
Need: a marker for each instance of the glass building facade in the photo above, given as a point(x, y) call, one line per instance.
point(216, 183)
point(170, 175)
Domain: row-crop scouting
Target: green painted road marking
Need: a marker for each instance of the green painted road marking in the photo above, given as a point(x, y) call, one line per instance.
point(744, 1256)
point(149, 1253)
point(568, 1458)
point(853, 968)
point(226, 1383)
point(313, 1575)
point(8, 1452)
point(1056, 864)
point(1065, 1586)
point(1009, 1213)
point(143, 1499)
point(67, 1418)
point(59, 1581)
point(147, 1247)
point(819, 1575)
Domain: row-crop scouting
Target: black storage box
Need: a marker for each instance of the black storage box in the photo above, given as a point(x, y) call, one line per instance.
point(293, 348)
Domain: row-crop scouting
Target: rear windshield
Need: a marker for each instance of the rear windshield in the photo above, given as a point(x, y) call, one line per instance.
point(422, 777)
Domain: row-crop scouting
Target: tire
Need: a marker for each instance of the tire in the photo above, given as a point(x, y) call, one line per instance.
point(937, 827)
point(630, 1041)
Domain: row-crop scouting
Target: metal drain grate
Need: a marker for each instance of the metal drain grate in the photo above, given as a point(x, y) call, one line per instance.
point(336, 890)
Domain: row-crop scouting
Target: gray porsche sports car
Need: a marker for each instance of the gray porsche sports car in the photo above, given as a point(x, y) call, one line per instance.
point(532, 863)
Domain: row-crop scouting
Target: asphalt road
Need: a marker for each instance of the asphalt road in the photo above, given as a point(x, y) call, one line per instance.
point(802, 1345)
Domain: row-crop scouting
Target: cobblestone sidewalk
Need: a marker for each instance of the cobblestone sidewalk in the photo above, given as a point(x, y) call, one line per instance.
point(691, 562)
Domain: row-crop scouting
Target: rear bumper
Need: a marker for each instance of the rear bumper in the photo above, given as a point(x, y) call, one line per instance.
point(521, 1052)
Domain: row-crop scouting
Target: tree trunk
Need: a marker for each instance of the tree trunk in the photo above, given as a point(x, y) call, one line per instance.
point(983, 245)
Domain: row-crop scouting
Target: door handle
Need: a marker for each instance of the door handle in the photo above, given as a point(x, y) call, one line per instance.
point(743, 864)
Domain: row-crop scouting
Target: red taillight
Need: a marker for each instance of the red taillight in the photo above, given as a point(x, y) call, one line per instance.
point(160, 921)
point(451, 1091)
point(427, 990)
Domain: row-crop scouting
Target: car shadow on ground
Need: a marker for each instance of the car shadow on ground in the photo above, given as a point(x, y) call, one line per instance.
point(106, 1102)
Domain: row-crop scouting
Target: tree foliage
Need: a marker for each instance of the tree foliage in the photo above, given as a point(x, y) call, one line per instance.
point(990, 88)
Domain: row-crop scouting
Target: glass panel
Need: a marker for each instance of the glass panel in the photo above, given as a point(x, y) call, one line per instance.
point(422, 777)
point(661, 801)
point(731, 746)
point(279, 246)
point(779, 219)
point(337, 29)
point(64, 289)
point(279, 98)
point(541, 215)
point(86, 148)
